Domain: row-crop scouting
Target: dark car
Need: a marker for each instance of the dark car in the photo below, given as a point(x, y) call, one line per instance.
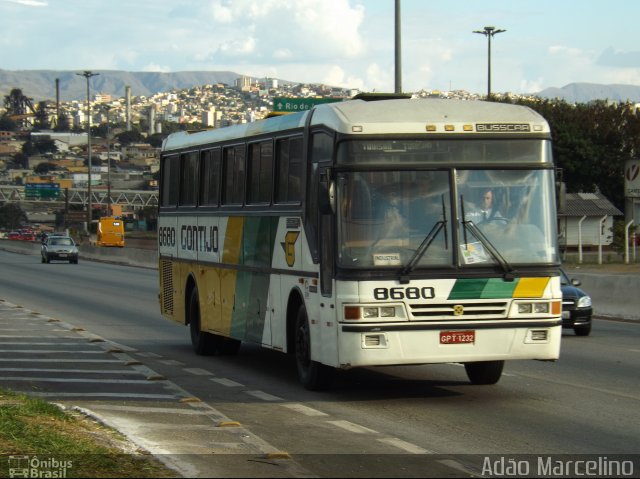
point(576, 306)
point(61, 248)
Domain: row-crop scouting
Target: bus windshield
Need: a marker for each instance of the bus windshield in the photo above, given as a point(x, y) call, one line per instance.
point(502, 217)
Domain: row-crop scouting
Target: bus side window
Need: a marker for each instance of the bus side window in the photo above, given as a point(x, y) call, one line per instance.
point(260, 172)
point(189, 183)
point(170, 180)
point(210, 178)
point(288, 170)
point(233, 171)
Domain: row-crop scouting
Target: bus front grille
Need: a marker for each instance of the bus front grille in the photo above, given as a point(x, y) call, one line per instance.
point(459, 311)
point(166, 282)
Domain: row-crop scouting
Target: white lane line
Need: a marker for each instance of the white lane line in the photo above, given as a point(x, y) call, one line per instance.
point(78, 380)
point(83, 371)
point(226, 382)
point(51, 351)
point(306, 410)
point(107, 395)
point(352, 427)
point(145, 409)
point(264, 396)
point(48, 360)
point(171, 362)
point(404, 445)
point(148, 355)
point(198, 371)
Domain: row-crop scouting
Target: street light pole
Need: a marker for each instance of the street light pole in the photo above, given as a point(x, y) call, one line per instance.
point(107, 108)
point(489, 32)
point(88, 75)
point(398, 49)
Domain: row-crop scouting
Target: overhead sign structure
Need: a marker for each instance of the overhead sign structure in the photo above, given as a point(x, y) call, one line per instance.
point(292, 105)
point(632, 179)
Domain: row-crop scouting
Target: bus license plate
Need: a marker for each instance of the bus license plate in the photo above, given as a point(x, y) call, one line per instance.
point(457, 337)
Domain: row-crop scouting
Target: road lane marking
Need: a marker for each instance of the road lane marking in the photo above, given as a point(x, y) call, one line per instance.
point(198, 371)
point(75, 380)
point(306, 410)
point(352, 427)
point(105, 395)
point(87, 371)
point(226, 382)
point(147, 409)
point(264, 396)
point(404, 445)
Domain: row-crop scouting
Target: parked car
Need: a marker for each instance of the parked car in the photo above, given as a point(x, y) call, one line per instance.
point(14, 235)
point(576, 306)
point(61, 248)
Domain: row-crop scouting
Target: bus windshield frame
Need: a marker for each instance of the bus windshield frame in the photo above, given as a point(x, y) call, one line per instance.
point(386, 209)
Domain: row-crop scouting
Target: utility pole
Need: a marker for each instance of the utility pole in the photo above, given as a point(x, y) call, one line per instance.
point(88, 75)
point(489, 32)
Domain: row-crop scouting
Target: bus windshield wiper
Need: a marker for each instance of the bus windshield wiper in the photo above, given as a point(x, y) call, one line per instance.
point(493, 251)
point(424, 246)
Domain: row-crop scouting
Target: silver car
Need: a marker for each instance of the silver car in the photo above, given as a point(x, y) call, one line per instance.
point(61, 248)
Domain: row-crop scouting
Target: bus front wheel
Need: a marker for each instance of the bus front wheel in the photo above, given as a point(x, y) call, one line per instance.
point(484, 372)
point(313, 375)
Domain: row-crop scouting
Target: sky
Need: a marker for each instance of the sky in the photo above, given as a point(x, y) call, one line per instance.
point(344, 43)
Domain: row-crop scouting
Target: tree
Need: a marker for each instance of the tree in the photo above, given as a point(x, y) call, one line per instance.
point(128, 137)
point(44, 168)
point(591, 143)
point(12, 216)
point(39, 146)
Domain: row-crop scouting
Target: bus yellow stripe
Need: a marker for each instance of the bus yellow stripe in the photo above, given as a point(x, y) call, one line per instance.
point(530, 287)
point(233, 240)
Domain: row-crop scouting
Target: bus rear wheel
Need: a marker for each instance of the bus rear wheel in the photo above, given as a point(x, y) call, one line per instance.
point(484, 372)
point(313, 375)
point(202, 342)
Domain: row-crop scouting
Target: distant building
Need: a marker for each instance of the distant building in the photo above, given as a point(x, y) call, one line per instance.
point(587, 219)
point(243, 83)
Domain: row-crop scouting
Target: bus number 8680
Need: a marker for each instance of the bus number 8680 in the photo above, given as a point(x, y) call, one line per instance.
point(412, 292)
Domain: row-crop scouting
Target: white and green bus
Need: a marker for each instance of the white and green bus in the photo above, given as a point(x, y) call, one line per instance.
point(353, 234)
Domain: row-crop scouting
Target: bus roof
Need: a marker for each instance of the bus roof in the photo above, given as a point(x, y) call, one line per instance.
point(397, 116)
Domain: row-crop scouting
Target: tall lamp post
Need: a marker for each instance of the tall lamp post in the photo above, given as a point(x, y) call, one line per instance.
point(107, 108)
point(88, 75)
point(398, 48)
point(489, 32)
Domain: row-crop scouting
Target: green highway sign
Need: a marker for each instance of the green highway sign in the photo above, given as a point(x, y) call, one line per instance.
point(42, 190)
point(292, 105)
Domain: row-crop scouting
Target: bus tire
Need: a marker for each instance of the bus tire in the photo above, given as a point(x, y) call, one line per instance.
point(202, 342)
point(484, 372)
point(312, 374)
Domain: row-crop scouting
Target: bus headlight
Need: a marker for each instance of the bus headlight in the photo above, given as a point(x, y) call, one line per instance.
point(352, 312)
point(541, 308)
point(368, 312)
point(534, 308)
point(525, 308)
point(388, 312)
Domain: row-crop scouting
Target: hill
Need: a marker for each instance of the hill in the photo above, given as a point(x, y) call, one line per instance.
point(40, 84)
point(586, 92)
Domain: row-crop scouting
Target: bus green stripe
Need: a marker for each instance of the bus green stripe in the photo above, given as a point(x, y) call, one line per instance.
point(491, 288)
point(252, 289)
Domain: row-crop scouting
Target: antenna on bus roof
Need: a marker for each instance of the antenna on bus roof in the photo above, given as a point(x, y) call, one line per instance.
point(381, 96)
